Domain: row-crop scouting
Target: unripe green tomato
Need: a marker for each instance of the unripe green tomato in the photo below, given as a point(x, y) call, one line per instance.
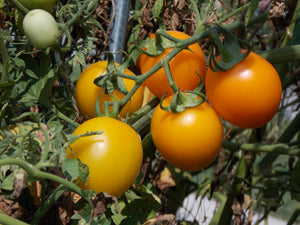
point(39, 4)
point(40, 28)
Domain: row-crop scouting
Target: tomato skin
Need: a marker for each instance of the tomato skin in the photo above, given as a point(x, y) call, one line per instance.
point(248, 95)
point(183, 68)
point(39, 4)
point(86, 92)
point(114, 157)
point(40, 28)
point(190, 140)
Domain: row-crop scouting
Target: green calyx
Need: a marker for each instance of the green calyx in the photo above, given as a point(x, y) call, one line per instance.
point(106, 112)
point(183, 100)
point(230, 50)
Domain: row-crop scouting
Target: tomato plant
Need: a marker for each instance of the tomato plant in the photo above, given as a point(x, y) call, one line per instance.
point(184, 68)
point(38, 4)
point(86, 92)
point(114, 157)
point(189, 140)
point(40, 28)
point(252, 174)
point(248, 95)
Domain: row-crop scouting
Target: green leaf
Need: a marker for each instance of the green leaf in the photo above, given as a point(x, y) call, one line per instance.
point(95, 23)
point(83, 171)
point(78, 59)
point(19, 62)
point(1, 3)
point(230, 49)
point(8, 136)
point(84, 215)
point(182, 101)
point(70, 168)
point(6, 83)
point(156, 46)
point(8, 183)
point(31, 74)
point(157, 8)
point(45, 64)
point(73, 138)
point(296, 33)
point(120, 85)
point(4, 34)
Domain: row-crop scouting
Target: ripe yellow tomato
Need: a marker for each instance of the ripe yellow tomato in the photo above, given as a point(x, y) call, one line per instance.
point(114, 157)
point(184, 68)
point(86, 92)
point(189, 140)
point(248, 95)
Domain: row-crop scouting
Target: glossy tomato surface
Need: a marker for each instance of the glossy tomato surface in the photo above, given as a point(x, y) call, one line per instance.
point(114, 157)
point(248, 95)
point(38, 4)
point(86, 92)
point(40, 28)
point(183, 68)
point(190, 140)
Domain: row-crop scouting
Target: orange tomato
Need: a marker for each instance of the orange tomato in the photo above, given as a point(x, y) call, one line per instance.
point(248, 95)
point(86, 92)
point(184, 68)
point(189, 140)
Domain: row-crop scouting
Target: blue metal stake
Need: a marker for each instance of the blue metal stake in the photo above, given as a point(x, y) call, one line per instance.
point(119, 27)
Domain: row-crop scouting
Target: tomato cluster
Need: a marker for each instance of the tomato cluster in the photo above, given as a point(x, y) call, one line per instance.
point(114, 157)
point(192, 139)
point(248, 95)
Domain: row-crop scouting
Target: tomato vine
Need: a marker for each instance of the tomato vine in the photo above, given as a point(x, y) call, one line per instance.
point(252, 169)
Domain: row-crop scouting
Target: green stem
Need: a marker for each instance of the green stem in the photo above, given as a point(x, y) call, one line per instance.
point(182, 44)
point(279, 148)
point(8, 220)
point(169, 76)
point(295, 215)
point(40, 175)
point(64, 117)
point(19, 6)
point(224, 214)
point(282, 67)
point(208, 9)
point(79, 13)
point(237, 11)
point(124, 198)
point(143, 123)
point(199, 22)
point(143, 111)
point(56, 194)
point(282, 55)
point(45, 152)
point(285, 137)
point(5, 58)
